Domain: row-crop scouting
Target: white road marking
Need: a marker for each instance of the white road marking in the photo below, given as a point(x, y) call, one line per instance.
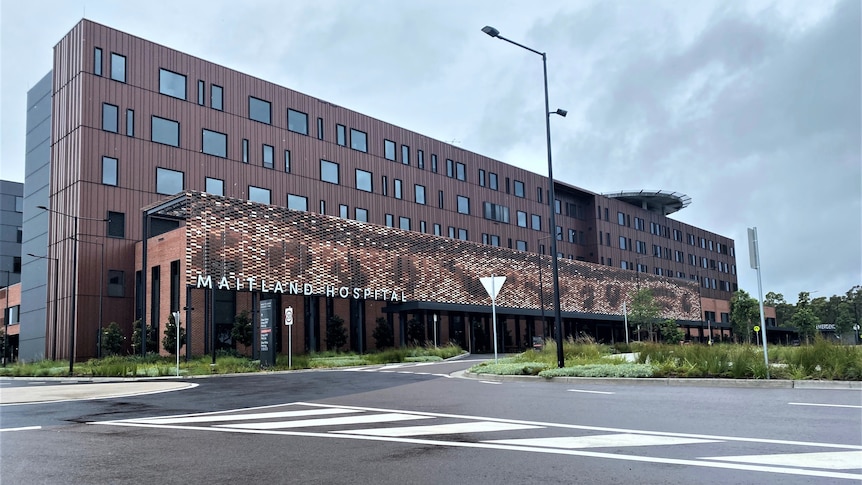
point(245, 417)
point(602, 441)
point(438, 429)
point(340, 421)
point(490, 382)
point(590, 392)
point(833, 460)
point(825, 405)
point(25, 428)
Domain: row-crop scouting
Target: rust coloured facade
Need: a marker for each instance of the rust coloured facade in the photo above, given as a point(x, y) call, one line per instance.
point(133, 123)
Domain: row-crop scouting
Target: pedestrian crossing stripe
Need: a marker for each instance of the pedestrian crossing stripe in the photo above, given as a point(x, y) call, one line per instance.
point(439, 429)
point(603, 441)
point(340, 421)
point(832, 460)
point(210, 418)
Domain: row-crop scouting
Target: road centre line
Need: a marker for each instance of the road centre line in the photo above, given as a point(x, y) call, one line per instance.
point(25, 428)
point(590, 392)
point(825, 405)
point(490, 382)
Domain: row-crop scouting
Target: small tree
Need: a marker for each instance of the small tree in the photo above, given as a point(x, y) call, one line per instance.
point(169, 341)
point(805, 322)
point(112, 339)
point(152, 342)
point(644, 310)
point(744, 312)
point(415, 332)
point(336, 334)
point(670, 331)
point(242, 329)
point(383, 335)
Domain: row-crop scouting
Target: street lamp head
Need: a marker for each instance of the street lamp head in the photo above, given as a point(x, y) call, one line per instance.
point(42, 207)
point(490, 31)
point(561, 112)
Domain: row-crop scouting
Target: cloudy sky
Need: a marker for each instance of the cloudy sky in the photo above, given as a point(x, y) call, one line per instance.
point(750, 108)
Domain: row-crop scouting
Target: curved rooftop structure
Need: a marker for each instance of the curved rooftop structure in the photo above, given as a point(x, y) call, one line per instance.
point(659, 201)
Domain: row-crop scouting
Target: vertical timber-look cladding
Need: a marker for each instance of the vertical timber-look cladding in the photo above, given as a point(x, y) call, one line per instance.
point(239, 240)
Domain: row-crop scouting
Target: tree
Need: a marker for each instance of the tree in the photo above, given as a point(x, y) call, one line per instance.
point(169, 341)
point(242, 329)
point(783, 310)
point(152, 341)
point(644, 310)
point(670, 331)
point(744, 313)
point(336, 334)
point(112, 339)
point(805, 320)
point(415, 332)
point(383, 335)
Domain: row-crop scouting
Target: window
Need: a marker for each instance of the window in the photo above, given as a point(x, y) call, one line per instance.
point(420, 159)
point(361, 214)
point(492, 181)
point(259, 110)
point(109, 117)
point(419, 194)
point(297, 202)
point(640, 247)
point(109, 171)
point(19, 234)
point(623, 242)
point(329, 172)
point(363, 180)
point(215, 186)
point(16, 264)
point(297, 122)
point(495, 212)
point(385, 184)
point(573, 236)
point(404, 223)
point(118, 67)
point(172, 84)
point(558, 207)
point(202, 88)
point(461, 171)
point(450, 168)
point(438, 231)
point(434, 163)
point(481, 178)
point(116, 224)
point(287, 161)
point(268, 156)
point(244, 150)
point(405, 154)
point(389, 149)
point(451, 232)
point(521, 245)
point(522, 219)
point(463, 205)
point(539, 194)
point(390, 220)
point(130, 122)
point(341, 135)
point(519, 188)
point(621, 219)
point(15, 314)
point(319, 128)
point(216, 95)
point(214, 143)
point(342, 211)
point(322, 208)
point(440, 199)
point(462, 234)
point(97, 61)
point(165, 131)
point(536, 222)
point(116, 283)
point(398, 188)
point(169, 182)
point(19, 203)
point(639, 224)
point(358, 140)
point(257, 194)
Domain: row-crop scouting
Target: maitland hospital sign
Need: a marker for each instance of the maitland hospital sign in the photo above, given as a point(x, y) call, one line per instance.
point(295, 288)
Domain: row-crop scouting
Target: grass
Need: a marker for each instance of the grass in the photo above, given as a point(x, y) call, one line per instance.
point(226, 363)
point(821, 360)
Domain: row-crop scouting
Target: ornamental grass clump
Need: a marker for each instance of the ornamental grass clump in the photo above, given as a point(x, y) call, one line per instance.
point(509, 368)
point(600, 370)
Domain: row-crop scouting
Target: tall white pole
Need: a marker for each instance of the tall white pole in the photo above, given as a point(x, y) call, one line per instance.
point(626, 320)
point(177, 336)
point(755, 260)
point(494, 314)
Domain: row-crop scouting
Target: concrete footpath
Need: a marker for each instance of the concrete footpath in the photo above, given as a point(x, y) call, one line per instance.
point(30, 390)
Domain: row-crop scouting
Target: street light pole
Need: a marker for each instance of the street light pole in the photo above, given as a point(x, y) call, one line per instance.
point(558, 321)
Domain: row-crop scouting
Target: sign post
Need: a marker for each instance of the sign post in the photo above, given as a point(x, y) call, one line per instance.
point(754, 256)
point(435, 330)
point(492, 286)
point(177, 336)
point(626, 322)
point(288, 320)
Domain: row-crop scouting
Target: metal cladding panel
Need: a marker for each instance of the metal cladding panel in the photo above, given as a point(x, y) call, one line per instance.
point(237, 240)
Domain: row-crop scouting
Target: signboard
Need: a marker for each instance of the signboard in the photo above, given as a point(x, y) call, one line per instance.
point(753, 258)
point(267, 341)
point(757, 328)
point(288, 316)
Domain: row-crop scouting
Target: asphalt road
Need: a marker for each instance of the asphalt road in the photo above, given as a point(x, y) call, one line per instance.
point(423, 424)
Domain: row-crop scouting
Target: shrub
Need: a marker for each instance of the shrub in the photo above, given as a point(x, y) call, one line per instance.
point(600, 370)
point(383, 336)
point(336, 334)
